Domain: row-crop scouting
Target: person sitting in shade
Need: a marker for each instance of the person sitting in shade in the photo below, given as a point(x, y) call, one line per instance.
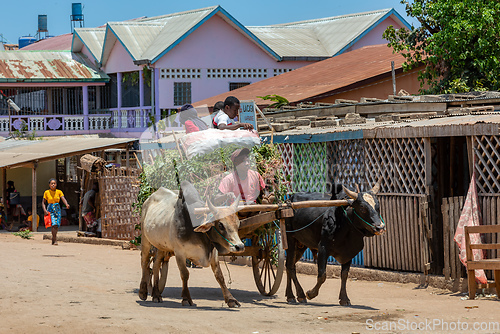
point(243, 181)
point(189, 117)
point(224, 118)
point(28, 223)
point(89, 210)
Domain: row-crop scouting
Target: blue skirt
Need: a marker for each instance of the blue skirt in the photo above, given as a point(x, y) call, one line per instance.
point(55, 213)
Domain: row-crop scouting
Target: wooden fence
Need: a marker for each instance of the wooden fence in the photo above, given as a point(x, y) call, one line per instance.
point(490, 207)
point(120, 187)
point(451, 209)
point(400, 248)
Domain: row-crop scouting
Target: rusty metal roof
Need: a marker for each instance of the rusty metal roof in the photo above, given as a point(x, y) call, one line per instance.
point(22, 153)
point(319, 78)
point(55, 43)
point(441, 126)
point(47, 66)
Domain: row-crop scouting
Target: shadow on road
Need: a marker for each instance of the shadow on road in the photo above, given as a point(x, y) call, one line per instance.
point(203, 293)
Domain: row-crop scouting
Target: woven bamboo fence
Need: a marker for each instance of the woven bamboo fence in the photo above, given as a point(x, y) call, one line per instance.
point(120, 187)
point(487, 167)
point(401, 164)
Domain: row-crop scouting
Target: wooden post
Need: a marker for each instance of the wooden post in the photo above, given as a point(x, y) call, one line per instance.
point(33, 198)
point(283, 234)
point(127, 156)
point(470, 154)
point(427, 230)
point(4, 189)
point(393, 78)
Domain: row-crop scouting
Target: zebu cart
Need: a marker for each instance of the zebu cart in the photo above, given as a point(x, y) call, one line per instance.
point(268, 248)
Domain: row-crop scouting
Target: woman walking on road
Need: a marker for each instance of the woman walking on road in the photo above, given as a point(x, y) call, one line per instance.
point(50, 205)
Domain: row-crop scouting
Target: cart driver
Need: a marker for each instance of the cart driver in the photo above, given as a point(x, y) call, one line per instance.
point(243, 181)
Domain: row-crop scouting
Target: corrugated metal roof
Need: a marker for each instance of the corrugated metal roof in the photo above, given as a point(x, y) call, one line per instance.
point(19, 153)
point(136, 36)
point(56, 43)
point(47, 66)
point(292, 41)
point(444, 126)
point(324, 37)
point(175, 26)
point(92, 38)
point(319, 78)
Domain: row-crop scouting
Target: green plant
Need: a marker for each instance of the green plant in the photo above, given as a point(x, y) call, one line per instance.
point(206, 171)
point(23, 132)
point(25, 234)
point(280, 101)
point(457, 41)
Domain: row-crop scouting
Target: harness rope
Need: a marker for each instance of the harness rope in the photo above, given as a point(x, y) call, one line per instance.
point(364, 221)
point(223, 236)
point(304, 226)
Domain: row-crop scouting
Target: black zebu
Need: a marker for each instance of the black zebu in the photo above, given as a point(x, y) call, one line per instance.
point(333, 231)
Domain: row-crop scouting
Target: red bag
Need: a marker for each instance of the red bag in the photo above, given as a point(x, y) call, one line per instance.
point(48, 221)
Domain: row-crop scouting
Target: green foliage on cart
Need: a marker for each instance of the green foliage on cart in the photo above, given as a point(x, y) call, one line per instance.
point(206, 171)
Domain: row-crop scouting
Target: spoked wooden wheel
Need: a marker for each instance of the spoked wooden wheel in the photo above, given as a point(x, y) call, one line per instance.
point(269, 264)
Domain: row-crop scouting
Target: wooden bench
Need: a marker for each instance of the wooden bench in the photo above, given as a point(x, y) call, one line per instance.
point(486, 264)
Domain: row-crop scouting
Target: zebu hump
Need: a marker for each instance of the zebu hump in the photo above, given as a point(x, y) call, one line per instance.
point(162, 198)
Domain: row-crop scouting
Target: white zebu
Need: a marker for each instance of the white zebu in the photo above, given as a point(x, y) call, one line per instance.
point(166, 224)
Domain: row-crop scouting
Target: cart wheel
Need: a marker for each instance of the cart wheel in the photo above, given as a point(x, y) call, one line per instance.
point(268, 275)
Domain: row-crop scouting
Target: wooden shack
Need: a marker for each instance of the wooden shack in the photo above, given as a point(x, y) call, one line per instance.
point(118, 189)
point(424, 148)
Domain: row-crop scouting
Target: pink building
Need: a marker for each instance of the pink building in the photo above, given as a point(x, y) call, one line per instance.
point(157, 64)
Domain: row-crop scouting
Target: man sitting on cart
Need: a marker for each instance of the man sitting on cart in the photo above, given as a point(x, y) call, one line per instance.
point(242, 180)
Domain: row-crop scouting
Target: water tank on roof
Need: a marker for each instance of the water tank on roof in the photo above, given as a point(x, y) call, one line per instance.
point(76, 11)
point(26, 40)
point(42, 23)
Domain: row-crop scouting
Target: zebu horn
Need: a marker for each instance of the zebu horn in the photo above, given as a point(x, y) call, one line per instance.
point(376, 187)
point(234, 206)
point(357, 188)
point(210, 205)
point(351, 194)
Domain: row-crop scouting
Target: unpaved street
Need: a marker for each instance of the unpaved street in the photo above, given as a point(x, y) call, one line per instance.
point(81, 288)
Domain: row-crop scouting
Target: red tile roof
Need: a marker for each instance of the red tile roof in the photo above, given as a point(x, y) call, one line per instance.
point(56, 43)
point(319, 78)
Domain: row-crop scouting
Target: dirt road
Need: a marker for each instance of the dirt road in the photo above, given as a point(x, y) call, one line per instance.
point(81, 288)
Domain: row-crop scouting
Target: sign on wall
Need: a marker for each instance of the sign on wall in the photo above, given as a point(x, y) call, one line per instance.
point(248, 113)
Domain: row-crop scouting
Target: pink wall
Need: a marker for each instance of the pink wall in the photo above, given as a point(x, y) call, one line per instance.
point(119, 60)
point(215, 44)
point(375, 35)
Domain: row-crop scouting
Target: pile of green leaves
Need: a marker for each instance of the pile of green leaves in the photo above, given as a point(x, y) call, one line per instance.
point(26, 234)
point(206, 171)
point(458, 42)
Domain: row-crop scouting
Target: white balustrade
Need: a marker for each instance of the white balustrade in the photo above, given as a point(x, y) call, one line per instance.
point(99, 122)
point(4, 124)
point(37, 123)
point(73, 123)
point(123, 122)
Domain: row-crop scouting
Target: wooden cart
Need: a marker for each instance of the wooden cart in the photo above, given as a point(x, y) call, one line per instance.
point(268, 248)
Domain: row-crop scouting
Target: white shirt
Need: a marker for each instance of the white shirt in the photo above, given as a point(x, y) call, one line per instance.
point(222, 118)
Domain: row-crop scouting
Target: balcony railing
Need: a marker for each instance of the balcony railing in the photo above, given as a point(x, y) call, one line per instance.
point(123, 119)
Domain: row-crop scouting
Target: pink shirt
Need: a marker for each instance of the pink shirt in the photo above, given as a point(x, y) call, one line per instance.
point(190, 127)
point(251, 186)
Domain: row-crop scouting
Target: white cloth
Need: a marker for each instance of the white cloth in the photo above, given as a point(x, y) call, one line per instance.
point(203, 142)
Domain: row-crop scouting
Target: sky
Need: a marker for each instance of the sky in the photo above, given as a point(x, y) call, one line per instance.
point(20, 18)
